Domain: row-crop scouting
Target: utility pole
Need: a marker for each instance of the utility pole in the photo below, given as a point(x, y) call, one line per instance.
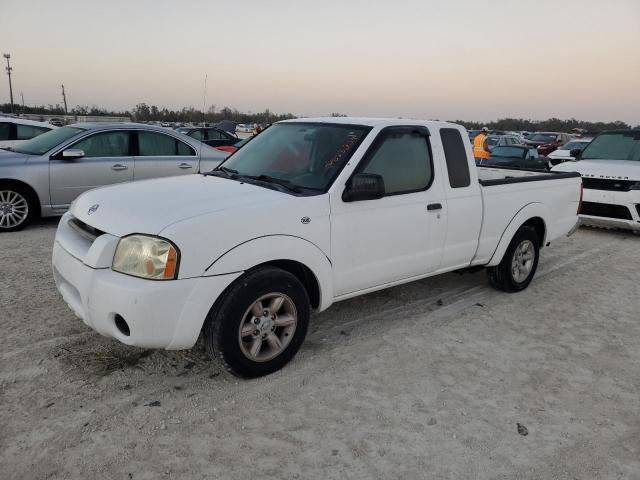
point(64, 99)
point(22, 97)
point(9, 69)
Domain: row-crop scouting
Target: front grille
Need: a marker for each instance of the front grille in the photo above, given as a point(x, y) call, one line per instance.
point(87, 231)
point(607, 184)
point(605, 210)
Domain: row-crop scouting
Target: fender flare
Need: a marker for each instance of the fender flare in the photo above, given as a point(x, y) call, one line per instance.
point(529, 211)
point(271, 248)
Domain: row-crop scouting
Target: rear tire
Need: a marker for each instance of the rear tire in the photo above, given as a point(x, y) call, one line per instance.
point(259, 323)
point(17, 207)
point(519, 264)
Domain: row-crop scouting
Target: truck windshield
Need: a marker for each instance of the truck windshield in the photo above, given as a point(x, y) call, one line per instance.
point(304, 155)
point(614, 146)
point(45, 142)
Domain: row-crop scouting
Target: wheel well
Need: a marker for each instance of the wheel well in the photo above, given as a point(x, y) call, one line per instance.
point(27, 187)
point(302, 273)
point(538, 226)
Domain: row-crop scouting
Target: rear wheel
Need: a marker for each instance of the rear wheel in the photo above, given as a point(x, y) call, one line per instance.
point(519, 264)
point(17, 207)
point(259, 324)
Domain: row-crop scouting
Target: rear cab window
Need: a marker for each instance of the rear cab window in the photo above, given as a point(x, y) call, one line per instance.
point(455, 157)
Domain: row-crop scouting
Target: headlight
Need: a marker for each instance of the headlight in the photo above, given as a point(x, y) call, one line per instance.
point(146, 257)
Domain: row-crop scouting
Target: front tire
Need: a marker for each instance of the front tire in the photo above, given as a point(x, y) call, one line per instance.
point(17, 207)
point(259, 323)
point(519, 264)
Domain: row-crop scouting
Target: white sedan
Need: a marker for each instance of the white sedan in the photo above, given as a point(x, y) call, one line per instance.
point(14, 131)
point(563, 154)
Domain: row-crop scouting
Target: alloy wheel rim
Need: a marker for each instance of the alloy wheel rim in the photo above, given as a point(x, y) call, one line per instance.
point(522, 261)
point(14, 209)
point(267, 327)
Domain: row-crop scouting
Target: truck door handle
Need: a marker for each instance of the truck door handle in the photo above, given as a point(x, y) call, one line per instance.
point(185, 165)
point(434, 206)
point(118, 166)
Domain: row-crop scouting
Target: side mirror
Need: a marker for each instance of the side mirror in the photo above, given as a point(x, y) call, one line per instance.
point(72, 154)
point(364, 186)
point(575, 153)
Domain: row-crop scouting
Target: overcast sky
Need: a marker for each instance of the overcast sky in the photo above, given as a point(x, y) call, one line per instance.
point(474, 60)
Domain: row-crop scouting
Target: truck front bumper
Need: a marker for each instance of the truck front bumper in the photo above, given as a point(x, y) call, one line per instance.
point(156, 314)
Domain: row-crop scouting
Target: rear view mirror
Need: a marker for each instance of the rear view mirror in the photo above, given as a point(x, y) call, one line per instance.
point(364, 186)
point(72, 154)
point(575, 153)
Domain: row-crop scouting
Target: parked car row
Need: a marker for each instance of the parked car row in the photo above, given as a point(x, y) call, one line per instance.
point(544, 142)
point(26, 194)
point(547, 142)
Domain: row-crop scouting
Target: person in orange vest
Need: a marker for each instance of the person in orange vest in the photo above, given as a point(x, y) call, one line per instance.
point(480, 149)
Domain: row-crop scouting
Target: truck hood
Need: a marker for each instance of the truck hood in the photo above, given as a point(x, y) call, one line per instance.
point(618, 169)
point(149, 206)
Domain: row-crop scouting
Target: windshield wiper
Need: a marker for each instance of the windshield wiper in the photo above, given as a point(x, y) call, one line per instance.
point(229, 172)
point(281, 182)
point(278, 181)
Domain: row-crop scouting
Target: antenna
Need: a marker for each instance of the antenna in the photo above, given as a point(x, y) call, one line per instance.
point(204, 106)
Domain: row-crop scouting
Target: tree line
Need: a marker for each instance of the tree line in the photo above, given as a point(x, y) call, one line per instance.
point(549, 125)
point(146, 113)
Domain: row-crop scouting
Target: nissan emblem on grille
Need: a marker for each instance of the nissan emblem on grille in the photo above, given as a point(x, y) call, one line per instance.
point(92, 209)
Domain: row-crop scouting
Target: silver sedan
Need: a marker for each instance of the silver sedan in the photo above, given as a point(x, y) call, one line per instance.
point(44, 175)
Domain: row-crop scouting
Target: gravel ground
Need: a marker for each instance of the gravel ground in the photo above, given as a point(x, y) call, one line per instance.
point(428, 380)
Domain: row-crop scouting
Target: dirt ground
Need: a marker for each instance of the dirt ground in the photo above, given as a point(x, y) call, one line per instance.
point(428, 380)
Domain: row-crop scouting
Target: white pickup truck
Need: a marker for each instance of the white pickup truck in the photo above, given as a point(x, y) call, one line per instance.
point(307, 213)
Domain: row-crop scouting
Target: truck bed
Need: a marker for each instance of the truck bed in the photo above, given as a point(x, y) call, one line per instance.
point(506, 191)
point(488, 176)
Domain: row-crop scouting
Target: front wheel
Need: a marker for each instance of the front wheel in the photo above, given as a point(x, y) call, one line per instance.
point(16, 208)
point(259, 324)
point(519, 264)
